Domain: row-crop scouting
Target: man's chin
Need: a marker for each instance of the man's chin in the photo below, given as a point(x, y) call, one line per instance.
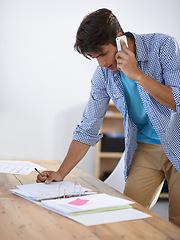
point(114, 69)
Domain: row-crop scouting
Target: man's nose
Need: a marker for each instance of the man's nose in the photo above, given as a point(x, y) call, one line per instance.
point(101, 62)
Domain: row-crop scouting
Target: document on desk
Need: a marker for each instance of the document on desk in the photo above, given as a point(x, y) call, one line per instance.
point(109, 217)
point(87, 204)
point(42, 191)
point(18, 167)
point(79, 203)
point(95, 209)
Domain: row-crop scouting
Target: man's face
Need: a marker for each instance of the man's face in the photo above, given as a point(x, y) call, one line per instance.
point(106, 57)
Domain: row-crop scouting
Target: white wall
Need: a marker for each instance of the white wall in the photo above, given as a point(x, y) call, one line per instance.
point(44, 84)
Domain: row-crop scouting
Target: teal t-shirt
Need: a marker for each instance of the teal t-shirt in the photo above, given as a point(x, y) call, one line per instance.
point(146, 132)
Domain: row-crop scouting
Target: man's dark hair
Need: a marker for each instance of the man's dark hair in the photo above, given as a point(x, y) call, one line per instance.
point(98, 28)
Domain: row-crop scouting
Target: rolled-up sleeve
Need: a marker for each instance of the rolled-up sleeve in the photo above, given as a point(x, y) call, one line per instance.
point(88, 130)
point(170, 61)
point(176, 94)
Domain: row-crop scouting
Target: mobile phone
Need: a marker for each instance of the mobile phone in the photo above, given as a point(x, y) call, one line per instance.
point(118, 44)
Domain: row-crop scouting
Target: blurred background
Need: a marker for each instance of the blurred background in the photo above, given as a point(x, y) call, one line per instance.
point(44, 83)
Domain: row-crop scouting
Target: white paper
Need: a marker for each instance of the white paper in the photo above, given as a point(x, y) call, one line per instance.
point(110, 217)
point(18, 167)
point(93, 202)
point(31, 191)
point(39, 191)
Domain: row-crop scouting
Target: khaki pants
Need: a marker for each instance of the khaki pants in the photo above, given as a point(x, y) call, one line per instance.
point(149, 168)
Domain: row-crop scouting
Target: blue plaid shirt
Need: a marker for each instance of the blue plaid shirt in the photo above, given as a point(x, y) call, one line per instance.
point(158, 55)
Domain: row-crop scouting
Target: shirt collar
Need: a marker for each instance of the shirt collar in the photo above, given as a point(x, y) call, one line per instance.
point(141, 54)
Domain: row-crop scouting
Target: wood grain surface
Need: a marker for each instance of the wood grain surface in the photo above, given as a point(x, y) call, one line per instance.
point(22, 219)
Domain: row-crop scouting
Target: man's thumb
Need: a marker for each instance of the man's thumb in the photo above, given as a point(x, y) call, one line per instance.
point(49, 179)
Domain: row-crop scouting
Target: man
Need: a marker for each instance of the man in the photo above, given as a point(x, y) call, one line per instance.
point(144, 84)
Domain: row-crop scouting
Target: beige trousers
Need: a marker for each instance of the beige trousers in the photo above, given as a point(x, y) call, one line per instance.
point(149, 168)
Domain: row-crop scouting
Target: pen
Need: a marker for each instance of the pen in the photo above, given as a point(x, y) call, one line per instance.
point(38, 172)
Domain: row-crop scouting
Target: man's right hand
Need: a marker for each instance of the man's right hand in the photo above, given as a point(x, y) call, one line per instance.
point(76, 152)
point(49, 176)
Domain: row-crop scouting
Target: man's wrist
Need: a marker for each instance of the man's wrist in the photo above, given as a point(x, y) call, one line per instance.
point(61, 173)
point(139, 76)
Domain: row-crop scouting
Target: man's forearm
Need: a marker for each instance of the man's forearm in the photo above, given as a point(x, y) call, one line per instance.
point(76, 152)
point(160, 92)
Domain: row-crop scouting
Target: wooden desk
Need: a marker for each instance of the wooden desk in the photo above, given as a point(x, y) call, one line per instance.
point(21, 219)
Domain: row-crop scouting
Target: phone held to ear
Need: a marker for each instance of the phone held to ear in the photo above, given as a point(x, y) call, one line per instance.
point(119, 47)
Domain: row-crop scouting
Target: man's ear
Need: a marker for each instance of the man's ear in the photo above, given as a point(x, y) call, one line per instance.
point(119, 34)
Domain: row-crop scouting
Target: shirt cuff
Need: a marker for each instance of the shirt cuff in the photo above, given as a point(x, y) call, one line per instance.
point(176, 94)
point(83, 136)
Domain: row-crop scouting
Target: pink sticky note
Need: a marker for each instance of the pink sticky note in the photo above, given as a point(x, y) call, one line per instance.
point(79, 202)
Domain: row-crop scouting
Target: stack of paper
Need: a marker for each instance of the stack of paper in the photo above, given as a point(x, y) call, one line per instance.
point(86, 204)
point(18, 167)
point(79, 203)
point(42, 191)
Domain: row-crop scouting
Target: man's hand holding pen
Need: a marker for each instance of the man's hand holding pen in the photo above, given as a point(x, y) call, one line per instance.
point(49, 176)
